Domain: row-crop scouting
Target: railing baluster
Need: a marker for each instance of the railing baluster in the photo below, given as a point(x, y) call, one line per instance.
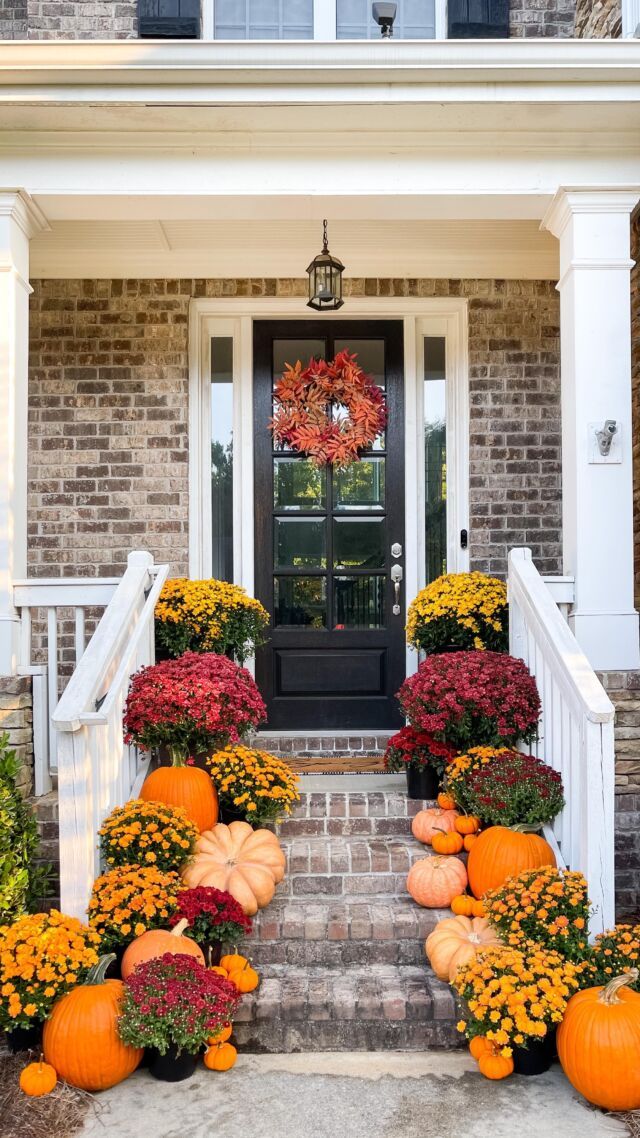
point(79, 633)
point(52, 682)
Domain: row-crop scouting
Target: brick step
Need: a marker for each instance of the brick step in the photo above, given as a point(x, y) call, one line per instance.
point(349, 865)
point(314, 744)
point(342, 932)
point(372, 1008)
point(341, 813)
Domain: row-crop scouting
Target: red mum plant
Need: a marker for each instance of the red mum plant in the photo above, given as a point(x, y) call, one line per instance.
point(174, 1001)
point(507, 788)
point(198, 702)
point(418, 749)
point(468, 699)
point(213, 915)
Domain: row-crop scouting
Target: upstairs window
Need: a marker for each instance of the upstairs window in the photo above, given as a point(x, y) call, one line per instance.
point(319, 19)
point(415, 20)
point(263, 19)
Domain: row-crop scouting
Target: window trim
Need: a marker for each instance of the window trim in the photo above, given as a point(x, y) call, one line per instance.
point(324, 20)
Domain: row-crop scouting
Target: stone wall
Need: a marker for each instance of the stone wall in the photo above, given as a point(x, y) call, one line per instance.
point(552, 19)
point(16, 719)
point(598, 19)
point(108, 457)
point(82, 19)
point(13, 19)
point(624, 691)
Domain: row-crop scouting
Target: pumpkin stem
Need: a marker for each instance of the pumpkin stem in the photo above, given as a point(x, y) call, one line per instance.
point(97, 973)
point(178, 929)
point(525, 828)
point(177, 756)
point(609, 994)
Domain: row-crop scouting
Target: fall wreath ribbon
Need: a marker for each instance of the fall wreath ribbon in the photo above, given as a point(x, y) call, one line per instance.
point(329, 411)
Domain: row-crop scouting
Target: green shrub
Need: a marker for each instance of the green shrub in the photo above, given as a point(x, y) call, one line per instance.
point(20, 881)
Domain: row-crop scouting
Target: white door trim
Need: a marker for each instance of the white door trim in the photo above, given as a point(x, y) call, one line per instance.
point(234, 316)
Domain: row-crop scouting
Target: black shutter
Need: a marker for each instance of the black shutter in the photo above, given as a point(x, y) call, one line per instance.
point(169, 19)
point(478, 19)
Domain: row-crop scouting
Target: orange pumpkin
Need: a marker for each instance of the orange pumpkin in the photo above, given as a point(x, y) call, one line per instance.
point(246, 979)
point(469, 841)
point(221, 1036)
point(219, 970)
point(462, 906)
point(80, 1038)
point(477, 909)
point(455, 941)
point(426, 822)
point(467, 824)
point(493, 1065)
point(501, 852)
point(247, 863)
point(446, 801)
point(232, 961)
point(478, 1046)
point(38, 1079)
point(184, 786)
point(221, 1057)
point(450, 843)
point(155, 943)
point(599, 1044)
point(434, 881)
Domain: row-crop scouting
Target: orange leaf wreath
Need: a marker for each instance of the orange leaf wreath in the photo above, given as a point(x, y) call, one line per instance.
point(329, 411)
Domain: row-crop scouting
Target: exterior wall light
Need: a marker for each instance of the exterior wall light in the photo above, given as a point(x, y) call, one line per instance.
point(325, 279)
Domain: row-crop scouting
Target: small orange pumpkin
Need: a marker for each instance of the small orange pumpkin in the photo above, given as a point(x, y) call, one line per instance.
point(455, 941)
point(446, 801)
point(501, 852)
point(493, 1065)
point(478, 1045)
point(155, 942)
point(222, 1036)
point(222, 1057)
point(426, 822)
point(246, 979)
point(38, 1079)
point(599, 1044)
point(443, 843)
point(469, 841)
point(462, 906)
point(80, 1038)
point(477, 908)
point(232, 961)
point(434, 881)
point(467, 824)
point(184, 786)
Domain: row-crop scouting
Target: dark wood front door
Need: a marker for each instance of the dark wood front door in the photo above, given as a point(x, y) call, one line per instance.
point(326, 542)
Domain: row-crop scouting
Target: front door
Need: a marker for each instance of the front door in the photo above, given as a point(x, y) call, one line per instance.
point(326, 544)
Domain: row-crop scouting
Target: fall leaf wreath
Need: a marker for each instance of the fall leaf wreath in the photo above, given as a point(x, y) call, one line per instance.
point(329, 411)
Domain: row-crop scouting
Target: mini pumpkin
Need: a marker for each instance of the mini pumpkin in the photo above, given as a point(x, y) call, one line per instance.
point(467, 824)
point(446, 843)
point(221, 1036)
point(246, 863)
point(155, 942)
point(246, 979)
point(469, 841)
point(426, 822)
point(222, 1057)
point(478, 909)
point(478, 1045)
point(455, 941)
point(501, 852)
point(494, 1065)
point(462, 906)
point(446, 801)
point(232, 961)
point(434, 881)
point(38, 1079)
point(599, 1044)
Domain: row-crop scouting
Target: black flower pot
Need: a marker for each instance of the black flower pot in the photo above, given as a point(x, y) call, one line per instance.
point(422, 782)
point(213, 953)
point(114, 970)
point(173, 1066)
point(24, 1038)
point(537, 1057)
point(229, 814)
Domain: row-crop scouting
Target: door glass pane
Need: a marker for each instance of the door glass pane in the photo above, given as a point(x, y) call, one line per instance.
point(435, 456)
point(300, 543)
point(298, 484)
point(290, 351)
point(370, 355)
point(300, 601)
point(358, 602)
point(361, 486)
point(358, 543)
point(263, 19)
point(222, 458)
point(415, 19)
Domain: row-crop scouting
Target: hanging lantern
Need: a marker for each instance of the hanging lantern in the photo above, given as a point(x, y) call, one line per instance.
point(325, 279)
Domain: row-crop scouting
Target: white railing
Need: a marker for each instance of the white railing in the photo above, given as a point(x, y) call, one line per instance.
point(96, 771)
point(576, 733)
point(59, 607)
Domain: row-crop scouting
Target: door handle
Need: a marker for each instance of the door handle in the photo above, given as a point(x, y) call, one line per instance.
point(396, 577)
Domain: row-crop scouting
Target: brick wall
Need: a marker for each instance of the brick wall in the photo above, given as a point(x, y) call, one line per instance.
point(108, 458)
point(82, 19)
point(548, 18)
point(624, 691)
point(598, 19)
point(13, 19)
point(16, 719)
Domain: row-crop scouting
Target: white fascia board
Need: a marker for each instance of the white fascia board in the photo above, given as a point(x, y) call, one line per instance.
point(345, 71)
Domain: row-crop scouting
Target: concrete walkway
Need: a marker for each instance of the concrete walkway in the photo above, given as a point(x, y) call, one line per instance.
point(342, 1095)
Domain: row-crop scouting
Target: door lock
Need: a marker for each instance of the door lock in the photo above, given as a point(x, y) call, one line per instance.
point(396, 549)
point(396, 577)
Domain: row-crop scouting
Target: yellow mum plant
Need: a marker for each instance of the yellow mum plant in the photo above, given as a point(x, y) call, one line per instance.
point(461, 610)
point(209, 616)
point(515, 996)
point(253, 783)
point(147, 833)
point(128, 900)
point(42, 956)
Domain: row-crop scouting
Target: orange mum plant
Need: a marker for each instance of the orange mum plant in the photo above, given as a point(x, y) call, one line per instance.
point(147, 833)
point(130, 899)
point(42, 956)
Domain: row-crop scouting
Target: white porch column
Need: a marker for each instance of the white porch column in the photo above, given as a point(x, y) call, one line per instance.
point(19, 220)
point(593, 227)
